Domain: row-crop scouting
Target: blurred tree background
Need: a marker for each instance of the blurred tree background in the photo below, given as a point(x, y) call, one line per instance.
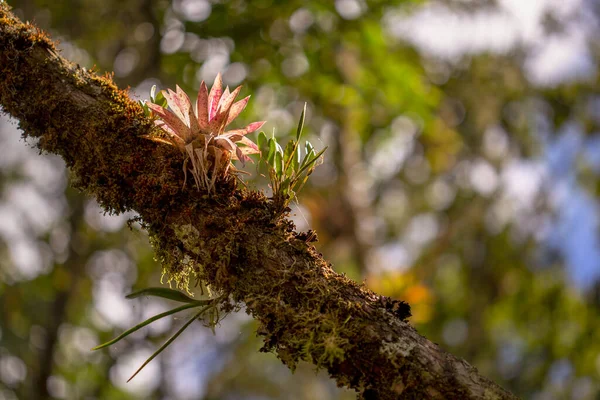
point(461, 176)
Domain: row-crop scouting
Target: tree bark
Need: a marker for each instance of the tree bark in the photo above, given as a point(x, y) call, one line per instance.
point(236, 241)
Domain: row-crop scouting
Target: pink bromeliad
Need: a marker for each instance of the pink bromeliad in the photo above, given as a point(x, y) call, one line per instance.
point(199, 132)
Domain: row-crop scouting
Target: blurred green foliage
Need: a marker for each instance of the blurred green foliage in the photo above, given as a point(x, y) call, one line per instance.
point(417, 195)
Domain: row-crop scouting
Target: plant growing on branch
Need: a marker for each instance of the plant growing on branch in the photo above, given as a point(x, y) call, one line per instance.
point(289, 169)
point(199, 132)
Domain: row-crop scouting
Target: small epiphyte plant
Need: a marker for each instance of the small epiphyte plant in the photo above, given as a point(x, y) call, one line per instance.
point(289, 169)
point(199, 132)
point(155, 99)
point(208, 307)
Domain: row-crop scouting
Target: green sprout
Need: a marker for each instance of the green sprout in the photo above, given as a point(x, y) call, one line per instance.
point(154, 98)
point(289, 169)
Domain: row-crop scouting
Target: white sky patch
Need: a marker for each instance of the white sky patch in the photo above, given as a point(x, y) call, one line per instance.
point(350, 9)
point(389, 257)
point(151, 307)
point(31, 258)
point(193, 10)
point(522, 181)
point(484, 178)
point(96, 217)
point(301, 216)
point(561, 58)
point(440, 31)
point(192, 359)
point(422, 229)
point(145, 382)
point(110, 301)
point(388, 151)
point(12, 370)
point(40, 211)
point(47, 172)
point(14, 149)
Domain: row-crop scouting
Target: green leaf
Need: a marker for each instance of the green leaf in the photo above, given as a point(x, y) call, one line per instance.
point(310, 160)
point(278, 164)
point(170, 340)
point(288, 155)
point(272, 151)
point(146, 322)
point(301, 123)
point(262, 140)
point(153, 93)
point(161, 100)
point(164, 293)
point(319, 154)
point(308, 148)
point(285, 185)
point(296, 158)
point(145, 108)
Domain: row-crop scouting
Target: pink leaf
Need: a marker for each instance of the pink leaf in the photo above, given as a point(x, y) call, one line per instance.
point(202, 107)
point(236, 109)
point(225, 95)
point(173, 102)
point(162, 125)
point(219, 121)
point(225, 143)
point(185, 105)
point(235, 133)
point(254, 126)
point(215, 96)
point(234, 136)
point(250, 145)
point(227, 102)
point(177, 126)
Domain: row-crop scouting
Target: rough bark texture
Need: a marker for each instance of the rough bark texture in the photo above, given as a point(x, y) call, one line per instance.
point(236, 241)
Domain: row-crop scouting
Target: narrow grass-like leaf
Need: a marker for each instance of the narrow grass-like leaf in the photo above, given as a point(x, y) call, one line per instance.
point(288, 155)
point(278, 164)
point(165, 293)
point(146, 322)
point(310, 159)
point(272, 151)
point(296, 158)
point(170, 340)
point(319, 154)
point(308, 148)
point(301, 123)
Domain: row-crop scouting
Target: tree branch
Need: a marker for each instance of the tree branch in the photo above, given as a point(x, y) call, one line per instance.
point(234, 241)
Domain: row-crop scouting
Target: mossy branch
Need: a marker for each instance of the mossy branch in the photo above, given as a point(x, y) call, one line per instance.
point(232, 241)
